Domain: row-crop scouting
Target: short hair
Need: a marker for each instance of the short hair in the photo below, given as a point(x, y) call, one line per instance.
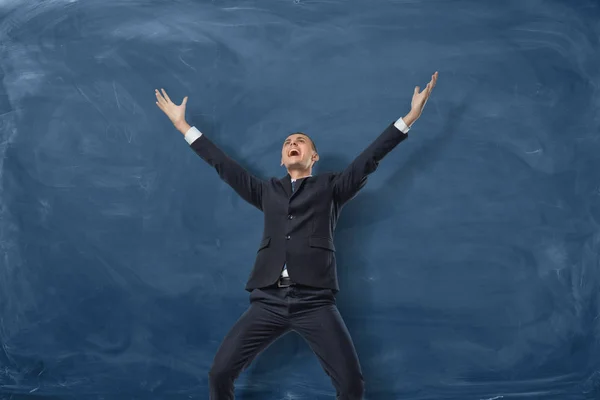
point(314, 146)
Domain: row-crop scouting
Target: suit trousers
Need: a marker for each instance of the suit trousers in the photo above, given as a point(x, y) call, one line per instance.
point(274, 311)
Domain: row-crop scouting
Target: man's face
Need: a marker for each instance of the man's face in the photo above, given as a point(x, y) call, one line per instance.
point(297, 152)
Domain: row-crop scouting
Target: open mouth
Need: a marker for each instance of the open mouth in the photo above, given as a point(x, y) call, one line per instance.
point(293, 153)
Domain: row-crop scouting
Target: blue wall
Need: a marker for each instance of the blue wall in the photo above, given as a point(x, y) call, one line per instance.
point(469, 264)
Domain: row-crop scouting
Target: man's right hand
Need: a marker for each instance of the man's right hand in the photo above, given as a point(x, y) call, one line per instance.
point(176, 113)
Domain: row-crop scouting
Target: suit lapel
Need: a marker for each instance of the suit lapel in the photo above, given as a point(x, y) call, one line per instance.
point(286, 182)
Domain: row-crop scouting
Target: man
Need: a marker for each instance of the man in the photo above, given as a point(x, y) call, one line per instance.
point(294, 280)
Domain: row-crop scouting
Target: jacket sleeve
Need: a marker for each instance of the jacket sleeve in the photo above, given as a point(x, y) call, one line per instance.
point(349, 182)
point(249, 187)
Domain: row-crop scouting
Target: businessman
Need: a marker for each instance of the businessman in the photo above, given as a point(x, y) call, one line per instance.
point(293, 283)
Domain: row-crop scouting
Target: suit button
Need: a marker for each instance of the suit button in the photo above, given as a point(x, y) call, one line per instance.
point(288, 237)
point(290, 217)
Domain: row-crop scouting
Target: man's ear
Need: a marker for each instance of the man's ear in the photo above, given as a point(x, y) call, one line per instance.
point(315, 157)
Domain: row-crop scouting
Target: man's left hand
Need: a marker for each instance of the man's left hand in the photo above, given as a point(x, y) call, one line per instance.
point(419, 100)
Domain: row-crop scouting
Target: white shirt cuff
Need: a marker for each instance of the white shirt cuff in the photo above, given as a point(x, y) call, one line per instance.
point(192, 134)
point(401, 125)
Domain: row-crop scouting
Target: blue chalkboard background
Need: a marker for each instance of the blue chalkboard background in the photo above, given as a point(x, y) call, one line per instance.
point(469, 265)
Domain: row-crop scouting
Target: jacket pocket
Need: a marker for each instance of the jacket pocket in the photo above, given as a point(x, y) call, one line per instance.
point(321, 242)
point(264, 243)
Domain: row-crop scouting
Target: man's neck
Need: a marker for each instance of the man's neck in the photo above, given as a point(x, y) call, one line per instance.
point(299, 174)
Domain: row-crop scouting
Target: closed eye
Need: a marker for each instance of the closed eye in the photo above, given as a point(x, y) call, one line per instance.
point(299, 140)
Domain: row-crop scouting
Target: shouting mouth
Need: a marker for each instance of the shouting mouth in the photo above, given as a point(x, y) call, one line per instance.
point(293, 153)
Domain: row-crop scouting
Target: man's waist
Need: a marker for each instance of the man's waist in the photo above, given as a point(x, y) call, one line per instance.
point(295, 245)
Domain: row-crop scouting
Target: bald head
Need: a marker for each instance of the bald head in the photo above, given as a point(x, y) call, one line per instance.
point(299, 151)
point(312, 142)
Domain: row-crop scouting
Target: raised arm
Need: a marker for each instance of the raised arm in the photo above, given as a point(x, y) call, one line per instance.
point(249, 187)
point(349, 182)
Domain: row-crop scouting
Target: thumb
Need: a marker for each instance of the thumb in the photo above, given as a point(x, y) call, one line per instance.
point(184, 102)
point(417, 88)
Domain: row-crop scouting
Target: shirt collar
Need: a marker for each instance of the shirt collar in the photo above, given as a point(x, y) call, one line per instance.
point(294, 180)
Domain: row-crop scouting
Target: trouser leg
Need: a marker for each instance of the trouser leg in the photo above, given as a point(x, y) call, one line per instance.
point(319, 322)
point(260, 325)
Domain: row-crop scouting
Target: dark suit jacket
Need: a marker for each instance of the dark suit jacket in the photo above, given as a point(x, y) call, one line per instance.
point(299, 227)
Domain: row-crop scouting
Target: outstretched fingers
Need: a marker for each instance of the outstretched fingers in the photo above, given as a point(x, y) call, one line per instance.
point(432, 82)
point(160, 99)
point(430, 85)
point(166, 95)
